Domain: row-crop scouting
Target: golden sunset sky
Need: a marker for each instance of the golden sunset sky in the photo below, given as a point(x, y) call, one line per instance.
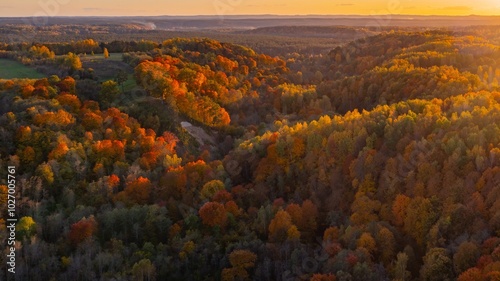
point(246, 7)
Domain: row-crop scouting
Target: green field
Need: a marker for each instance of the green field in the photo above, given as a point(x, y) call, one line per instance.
point(106, 69)
point(10, 69)
point(112, 57)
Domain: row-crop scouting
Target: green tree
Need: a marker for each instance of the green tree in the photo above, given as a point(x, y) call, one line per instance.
point(109, 91)
point(120, 78)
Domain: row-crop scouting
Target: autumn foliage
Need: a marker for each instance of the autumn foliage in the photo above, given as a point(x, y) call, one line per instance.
point(136, 192)
point(379, 160)
point(82, 230)
point(213, 214)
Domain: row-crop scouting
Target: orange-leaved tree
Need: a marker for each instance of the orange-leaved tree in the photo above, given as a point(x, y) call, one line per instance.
point(213, 214)
point(82, 230)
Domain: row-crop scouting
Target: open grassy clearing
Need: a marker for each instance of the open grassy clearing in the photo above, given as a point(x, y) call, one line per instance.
point(97, 57)
point(10, 69)
point(106, 69)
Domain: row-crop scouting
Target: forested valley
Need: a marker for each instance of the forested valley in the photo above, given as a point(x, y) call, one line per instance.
point(199, 159)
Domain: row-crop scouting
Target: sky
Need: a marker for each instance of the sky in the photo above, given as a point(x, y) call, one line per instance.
point(30, 8)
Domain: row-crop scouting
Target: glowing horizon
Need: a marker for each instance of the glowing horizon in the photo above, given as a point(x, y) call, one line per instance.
point(28, 8)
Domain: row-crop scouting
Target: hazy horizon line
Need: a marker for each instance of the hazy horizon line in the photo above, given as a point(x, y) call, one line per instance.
point(258, 15)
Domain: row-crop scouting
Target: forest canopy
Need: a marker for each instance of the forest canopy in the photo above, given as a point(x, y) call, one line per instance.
point(195, 159)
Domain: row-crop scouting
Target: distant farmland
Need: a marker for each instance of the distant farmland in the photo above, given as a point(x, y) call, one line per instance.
point(10, 69)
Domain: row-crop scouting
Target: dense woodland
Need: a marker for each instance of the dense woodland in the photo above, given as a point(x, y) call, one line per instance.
point(376, 160)
point(271, 40)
